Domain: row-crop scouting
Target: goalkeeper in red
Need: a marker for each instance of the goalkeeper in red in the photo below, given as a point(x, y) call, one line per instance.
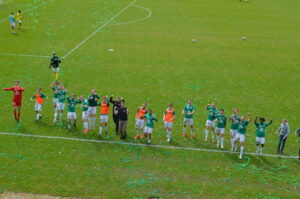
point(17, 100)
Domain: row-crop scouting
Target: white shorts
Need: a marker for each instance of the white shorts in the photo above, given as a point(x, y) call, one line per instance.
point(12, 24)
point(55, 101)
point(19, 21)
point(188, 121)
point(72, 116)
point(260, 140)
point(148, 130)
point(168, 125)
point(240, 137)
point(92, 110)
point(233, 132)
point(220, 130)
point(104, 118)
point(210, 123)
point(139, 123)
point(56, 70)
point(60, 106)
point(84, 115)
point(37, 107)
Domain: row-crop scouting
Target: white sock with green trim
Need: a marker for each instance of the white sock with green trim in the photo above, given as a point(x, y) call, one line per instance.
point(85, 125)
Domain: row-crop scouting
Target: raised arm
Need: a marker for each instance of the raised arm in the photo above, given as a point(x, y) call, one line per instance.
point(111, 99)
point(206, 107)
point(255, 121)
point(250, 117)
point(8, 89)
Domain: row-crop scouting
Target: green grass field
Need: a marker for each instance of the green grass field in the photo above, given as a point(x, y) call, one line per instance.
point(154, 60)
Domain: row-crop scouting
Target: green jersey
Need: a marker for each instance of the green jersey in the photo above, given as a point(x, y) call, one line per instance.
point(72, 104)
point(235, 122)
point(85, 103)
point(243, 127)
point(212, 113)
point(261, 129)
point(55, 90)
point(62, 96)
point(92, 100)
point(188, 109)
point(150, 120)
point(221, 121)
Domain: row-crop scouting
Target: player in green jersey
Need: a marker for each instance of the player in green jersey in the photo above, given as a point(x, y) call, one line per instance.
point(188, 113)
point(235, 119)
point(84, 118)
point(72, 110)
point(261, 133)
point(240, 136)
point(55, 86)
point(150, 118)
point(92, 101)
point(210, 122)
point(62, 92)
point(220, 130)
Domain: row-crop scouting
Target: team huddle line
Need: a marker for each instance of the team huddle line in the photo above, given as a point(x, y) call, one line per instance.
point(145, 119)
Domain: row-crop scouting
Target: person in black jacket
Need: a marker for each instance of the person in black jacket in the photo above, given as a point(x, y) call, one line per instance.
point(116, 105)
point(122, 113)
point(55, 61)
point(298, 133)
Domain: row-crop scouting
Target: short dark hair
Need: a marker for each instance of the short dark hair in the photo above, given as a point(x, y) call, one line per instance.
point(222, 110)
point(262, 119)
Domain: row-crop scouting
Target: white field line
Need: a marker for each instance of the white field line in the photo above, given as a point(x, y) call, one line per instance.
point(137, 20)
point(22, 55)
point(100, 28)
point(34, 7)
point(145, 145)
point(6, 2)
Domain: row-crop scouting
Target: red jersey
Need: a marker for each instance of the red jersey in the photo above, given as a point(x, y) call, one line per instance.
point(17, 92)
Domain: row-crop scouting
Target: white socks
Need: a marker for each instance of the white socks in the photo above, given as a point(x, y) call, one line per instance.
point(232, 143)
point(93, 119)
point(38, 116)
point(55, 116)
point(89, 122)
point(241, 152)
point(136, 132)
point(85, 125)
point(100, 130)
point(184, 130)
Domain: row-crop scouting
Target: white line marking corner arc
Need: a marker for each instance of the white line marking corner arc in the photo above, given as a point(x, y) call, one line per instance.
point(137, 20)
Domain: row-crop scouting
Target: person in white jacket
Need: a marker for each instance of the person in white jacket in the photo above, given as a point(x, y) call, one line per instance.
point(284, 131)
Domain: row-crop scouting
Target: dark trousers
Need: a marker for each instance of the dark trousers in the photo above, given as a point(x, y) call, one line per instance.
point(281, 144)
point(116, 121)
point(122, 127)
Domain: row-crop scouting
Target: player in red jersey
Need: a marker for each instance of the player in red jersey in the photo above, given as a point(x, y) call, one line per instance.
point(17, 100)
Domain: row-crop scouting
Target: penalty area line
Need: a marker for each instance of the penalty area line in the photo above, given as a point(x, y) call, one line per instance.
point(22, 55)
point(100, 28)
point(146, 145)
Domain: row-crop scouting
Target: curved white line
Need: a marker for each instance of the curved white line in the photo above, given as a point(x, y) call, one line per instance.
point(137, 20)
point(100, 28)
point(145, 145)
